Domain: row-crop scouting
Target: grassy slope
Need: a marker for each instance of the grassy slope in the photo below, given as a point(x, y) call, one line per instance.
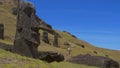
point(10, 60)
point(9, 21)
point(89, 48)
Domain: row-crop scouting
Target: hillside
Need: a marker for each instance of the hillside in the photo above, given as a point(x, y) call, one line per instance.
point(9, 21)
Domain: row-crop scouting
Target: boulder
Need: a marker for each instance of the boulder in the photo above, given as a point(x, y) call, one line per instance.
point(110, 64)
point(99, 61)
point(51, 57)
point(45, 37)
point(1, 31)
point(27, 33)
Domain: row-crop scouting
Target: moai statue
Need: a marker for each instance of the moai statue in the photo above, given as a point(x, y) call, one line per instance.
point(45, 37)
point(55, 42)
point(27, 34)
point(1, 31)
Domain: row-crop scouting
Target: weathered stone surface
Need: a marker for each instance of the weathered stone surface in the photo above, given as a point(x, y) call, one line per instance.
point(110, 64)
point(1, 31)
point(55, 42)
point(51, 56)
point(44, 26)
point(6, 47)
point(99, 61)
point(27, 33)
point(45, 37)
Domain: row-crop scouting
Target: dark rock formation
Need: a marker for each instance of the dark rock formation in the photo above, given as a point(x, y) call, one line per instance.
point(1, 31)
point(6, 47)
point(27, 33)
point(110, 64)
point(55, 42)
point(99, 61)
point(51, 57)
point(45, 37)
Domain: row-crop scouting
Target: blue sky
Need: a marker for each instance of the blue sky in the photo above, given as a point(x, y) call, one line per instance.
point(95, 21)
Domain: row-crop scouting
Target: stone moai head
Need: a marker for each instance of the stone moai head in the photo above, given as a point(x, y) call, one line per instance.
point(1, 31)
point(55, 42)
point(45, 37)
point(28, 27)
point(27, 37)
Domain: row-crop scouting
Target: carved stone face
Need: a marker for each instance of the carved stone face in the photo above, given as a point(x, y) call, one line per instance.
point(35, 36)
point(29, 29)
point(34, 25)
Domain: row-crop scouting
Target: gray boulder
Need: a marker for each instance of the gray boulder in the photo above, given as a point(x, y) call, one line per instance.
point(51, 57)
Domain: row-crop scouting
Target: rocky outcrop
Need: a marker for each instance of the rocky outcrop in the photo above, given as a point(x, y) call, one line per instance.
point(99, 61)
point(110, 64)
point(27, 34)
point(1, 31)
point(51, 56)
point(55, 42)
point(45, 37)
